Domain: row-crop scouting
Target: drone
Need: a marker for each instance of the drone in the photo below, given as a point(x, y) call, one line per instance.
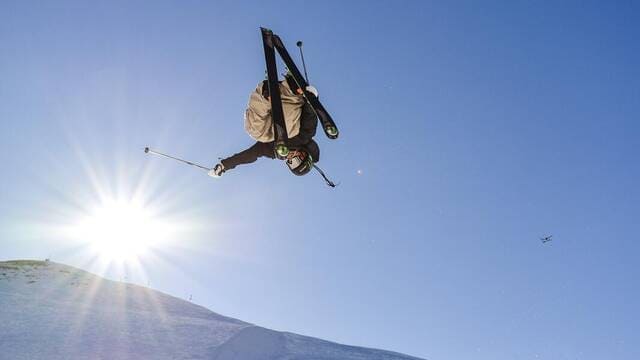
point(546, 239)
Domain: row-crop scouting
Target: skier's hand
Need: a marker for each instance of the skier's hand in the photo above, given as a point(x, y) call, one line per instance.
point(312, 90)
point(217, 171)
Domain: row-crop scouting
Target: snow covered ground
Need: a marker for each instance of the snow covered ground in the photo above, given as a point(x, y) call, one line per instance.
point(54, 311)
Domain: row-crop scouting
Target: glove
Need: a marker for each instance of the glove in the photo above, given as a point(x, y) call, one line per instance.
point(312, 90)
point(217, 171)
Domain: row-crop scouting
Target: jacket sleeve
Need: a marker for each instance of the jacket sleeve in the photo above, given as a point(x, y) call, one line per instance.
point(308, 125)
point(249, 155)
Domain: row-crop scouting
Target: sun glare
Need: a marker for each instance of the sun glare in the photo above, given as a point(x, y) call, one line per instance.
point(120, 230)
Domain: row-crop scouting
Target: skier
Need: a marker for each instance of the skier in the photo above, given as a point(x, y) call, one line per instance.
point(282, 123)
point(300, 120)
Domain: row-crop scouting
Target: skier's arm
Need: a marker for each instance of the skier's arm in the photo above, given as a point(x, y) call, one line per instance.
point(308, 125)
point(250, 155)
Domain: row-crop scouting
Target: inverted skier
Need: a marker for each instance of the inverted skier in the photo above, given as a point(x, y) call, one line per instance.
point(301, 123)
point(282, 117)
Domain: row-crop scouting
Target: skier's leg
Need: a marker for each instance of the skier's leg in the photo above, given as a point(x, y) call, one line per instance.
point(308, 126)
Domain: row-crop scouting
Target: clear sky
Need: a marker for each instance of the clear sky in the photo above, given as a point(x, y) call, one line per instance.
point(468, 131)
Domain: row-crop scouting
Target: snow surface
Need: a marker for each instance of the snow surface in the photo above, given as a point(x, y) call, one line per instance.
point(54, 311)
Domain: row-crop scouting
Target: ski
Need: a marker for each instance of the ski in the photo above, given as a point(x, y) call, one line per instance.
point(328, 125)
point(280, 130)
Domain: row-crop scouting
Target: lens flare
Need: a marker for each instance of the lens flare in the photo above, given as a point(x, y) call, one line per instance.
point(120, 230)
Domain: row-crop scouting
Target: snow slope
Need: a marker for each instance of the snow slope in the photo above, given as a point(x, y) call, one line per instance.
point(54, 311)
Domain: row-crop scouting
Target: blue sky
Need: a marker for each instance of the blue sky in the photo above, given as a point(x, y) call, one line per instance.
point(468, 130)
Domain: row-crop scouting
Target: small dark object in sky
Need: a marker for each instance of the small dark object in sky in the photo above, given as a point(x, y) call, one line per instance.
point(546, 239)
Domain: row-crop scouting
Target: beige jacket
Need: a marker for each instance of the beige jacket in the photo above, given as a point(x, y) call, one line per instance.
point(257, 118)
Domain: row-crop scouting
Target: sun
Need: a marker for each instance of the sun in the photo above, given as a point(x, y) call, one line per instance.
point(120, 230)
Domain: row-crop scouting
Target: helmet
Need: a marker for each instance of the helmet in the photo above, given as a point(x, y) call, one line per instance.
point(299, 162)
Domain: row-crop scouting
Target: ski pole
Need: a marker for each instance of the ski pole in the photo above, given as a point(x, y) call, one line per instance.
point(326, 179)
point(304, 66)
point(150, 151)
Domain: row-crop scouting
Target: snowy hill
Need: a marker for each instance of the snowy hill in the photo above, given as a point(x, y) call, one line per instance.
point(53, 311)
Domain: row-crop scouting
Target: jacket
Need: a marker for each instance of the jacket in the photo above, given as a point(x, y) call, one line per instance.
point(304, 139)
point(257, 117)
